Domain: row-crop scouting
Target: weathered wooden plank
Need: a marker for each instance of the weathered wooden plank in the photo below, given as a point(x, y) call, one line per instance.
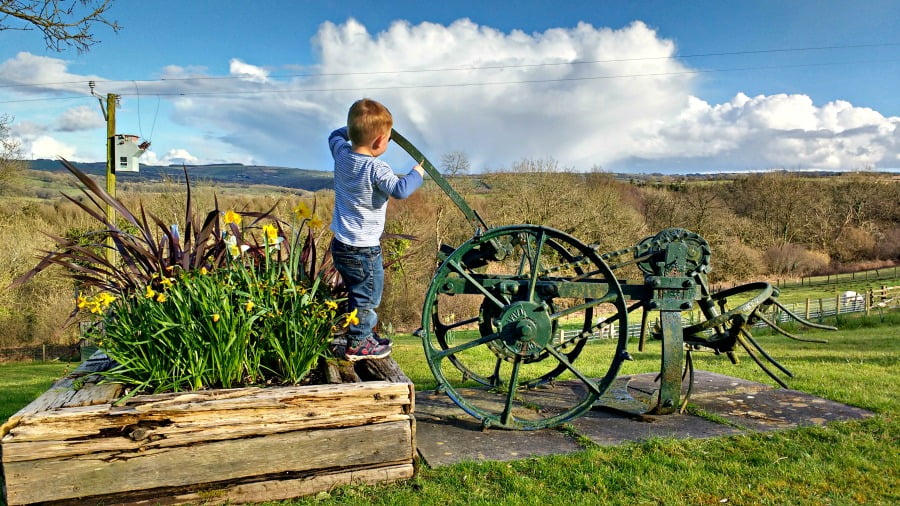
point(93, 394)
point(266, 489)
point(306, 402)
point(141, 438)
point(114, 472)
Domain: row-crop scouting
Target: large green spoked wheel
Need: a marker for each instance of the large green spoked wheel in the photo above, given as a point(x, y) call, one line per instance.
point(508, 312)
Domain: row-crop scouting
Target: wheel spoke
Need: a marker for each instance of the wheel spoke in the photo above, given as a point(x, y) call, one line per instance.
point(465, 346)
point(535, 264)
point(477, 285)
point(511, 394)
point(565, 361)
point(458, 324)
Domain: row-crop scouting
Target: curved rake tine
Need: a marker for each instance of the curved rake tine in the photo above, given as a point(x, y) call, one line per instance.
point(801, 320)
point(689, 371)
point(760, 364)
point(785, 333)
point(768, 357)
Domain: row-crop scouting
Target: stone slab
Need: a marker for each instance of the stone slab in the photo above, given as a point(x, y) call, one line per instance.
point(445, 434)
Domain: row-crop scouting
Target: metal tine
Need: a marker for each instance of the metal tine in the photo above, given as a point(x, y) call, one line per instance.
point(774, 362)
point(689, 371)
point(801, 320)
point(761, 365)
point(785, 333)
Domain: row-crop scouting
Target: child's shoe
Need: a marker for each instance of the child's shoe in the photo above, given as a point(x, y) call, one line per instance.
point(367, 349)
point(386, 341)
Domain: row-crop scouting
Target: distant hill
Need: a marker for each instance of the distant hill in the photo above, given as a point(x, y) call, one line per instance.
point(310, 180)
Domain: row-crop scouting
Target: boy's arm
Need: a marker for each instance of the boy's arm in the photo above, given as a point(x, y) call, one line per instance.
point(398, 187)
point(337, 139)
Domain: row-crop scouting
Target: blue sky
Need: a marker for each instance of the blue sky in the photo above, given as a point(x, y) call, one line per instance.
point(628, 86)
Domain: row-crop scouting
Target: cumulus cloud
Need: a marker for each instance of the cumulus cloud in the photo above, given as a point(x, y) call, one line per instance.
point(584, 95)
point(45, 146)
point(252, 72)
point(80, 118)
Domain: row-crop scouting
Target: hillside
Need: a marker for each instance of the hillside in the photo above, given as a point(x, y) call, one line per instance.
point(310, 180)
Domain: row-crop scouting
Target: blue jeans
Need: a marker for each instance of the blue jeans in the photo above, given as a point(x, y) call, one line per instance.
point(362, 270)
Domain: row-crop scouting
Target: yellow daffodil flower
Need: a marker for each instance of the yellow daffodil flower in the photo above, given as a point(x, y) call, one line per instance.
point(316, 223)
point(232, 217)
point(81, 302)
point(166, 282)
point(351, 319)
point(303, 211)
point(161, 297)
point(203, 271)
point(215, 317)
point(330, 304)
point(271, 233)
point(150, 292)
point(249, 306)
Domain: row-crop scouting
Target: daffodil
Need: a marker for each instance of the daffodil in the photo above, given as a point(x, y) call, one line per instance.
point(150, 292)
point(330, 304)
point(233, 248)
point(204, 271)
point(215, 317)
point(161, 297)
point(271, 235)
point(303, 211)
point(166, 282)
point(316, 223)
point(232, 217)
point(249, 306)
point(81, 302)
point(351, 319)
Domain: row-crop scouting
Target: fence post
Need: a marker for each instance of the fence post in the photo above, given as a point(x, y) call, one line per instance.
point(868, 298)
point(807, 308)
point(43, 353)
point(821, 310)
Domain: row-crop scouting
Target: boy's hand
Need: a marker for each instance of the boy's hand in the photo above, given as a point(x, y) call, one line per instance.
point(418, 168)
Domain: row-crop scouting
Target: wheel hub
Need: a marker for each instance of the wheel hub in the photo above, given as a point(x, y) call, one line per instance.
point(525, 328)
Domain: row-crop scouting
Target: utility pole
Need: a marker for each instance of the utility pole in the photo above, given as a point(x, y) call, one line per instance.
point(109, 114)
point(111, 100)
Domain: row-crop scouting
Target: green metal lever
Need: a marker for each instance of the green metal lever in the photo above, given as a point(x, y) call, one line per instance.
point(470, 214)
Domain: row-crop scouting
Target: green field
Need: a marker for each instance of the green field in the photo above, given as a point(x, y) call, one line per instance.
point(841, 463)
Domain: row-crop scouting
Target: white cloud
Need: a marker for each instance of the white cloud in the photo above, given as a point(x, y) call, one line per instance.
point(173, 156)
point(45, 146)
point(584, 96)
point(252, 72)
point(80, 118)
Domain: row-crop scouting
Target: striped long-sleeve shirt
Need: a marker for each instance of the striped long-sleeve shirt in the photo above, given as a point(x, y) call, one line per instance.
point(362, 186)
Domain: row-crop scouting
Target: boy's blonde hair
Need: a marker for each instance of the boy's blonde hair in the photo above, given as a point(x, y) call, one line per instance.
point(367, 120)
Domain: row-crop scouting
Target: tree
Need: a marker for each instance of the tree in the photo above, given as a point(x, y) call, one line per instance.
point(63, 22)
point(455, 163)
point(11, 165)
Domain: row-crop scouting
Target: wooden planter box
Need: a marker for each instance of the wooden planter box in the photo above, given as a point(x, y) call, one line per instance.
point(238, 445)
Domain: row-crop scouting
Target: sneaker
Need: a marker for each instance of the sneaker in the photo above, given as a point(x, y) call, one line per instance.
point(386, 341)
point(366, 350)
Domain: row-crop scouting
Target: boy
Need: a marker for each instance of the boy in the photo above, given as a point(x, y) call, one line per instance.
point(362, 186)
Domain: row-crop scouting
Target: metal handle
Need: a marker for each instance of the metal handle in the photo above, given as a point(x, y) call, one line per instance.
point(457, 199)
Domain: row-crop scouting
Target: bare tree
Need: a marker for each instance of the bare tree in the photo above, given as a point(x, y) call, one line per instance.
point(455, 163)
point(63, 22)
point(11, 165)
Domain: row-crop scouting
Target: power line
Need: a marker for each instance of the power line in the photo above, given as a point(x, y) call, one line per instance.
point(484, 67)
point(473, 84)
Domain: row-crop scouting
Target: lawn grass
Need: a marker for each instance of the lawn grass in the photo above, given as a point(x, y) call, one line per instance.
point(22, 382)
point(841, 463)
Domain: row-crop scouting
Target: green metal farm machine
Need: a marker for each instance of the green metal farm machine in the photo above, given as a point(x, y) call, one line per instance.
point(510, 310)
